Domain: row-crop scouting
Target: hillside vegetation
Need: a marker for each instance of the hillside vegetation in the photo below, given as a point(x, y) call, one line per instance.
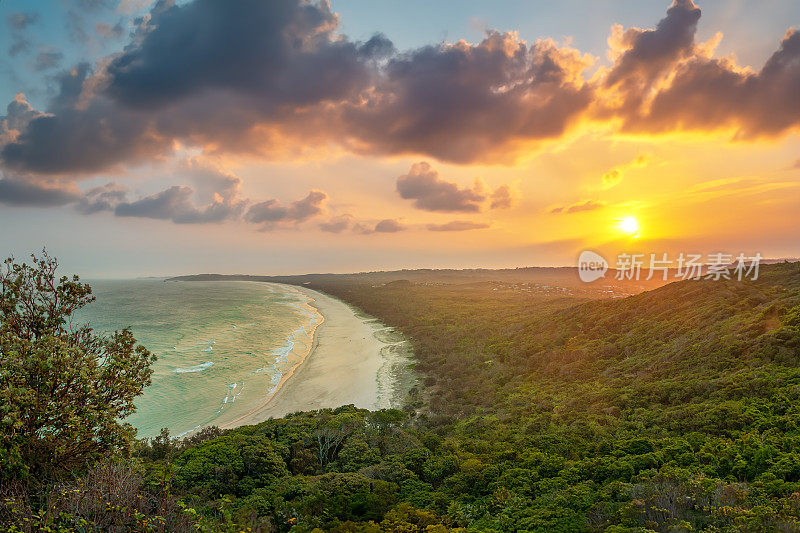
point(676, 409)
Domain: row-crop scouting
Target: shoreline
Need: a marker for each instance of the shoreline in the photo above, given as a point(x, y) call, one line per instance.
point(345, 364)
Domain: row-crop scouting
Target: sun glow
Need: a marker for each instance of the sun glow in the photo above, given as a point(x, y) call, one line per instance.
point(629, 226)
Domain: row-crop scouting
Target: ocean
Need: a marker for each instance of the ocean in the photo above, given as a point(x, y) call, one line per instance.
point(222, 347)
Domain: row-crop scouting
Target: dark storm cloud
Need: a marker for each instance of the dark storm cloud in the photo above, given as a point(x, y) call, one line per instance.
point(588, 205)
point(273, 212)
point(457, 225)
point(26, 192)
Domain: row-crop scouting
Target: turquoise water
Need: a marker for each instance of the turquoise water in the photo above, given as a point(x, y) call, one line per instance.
point(222, 347)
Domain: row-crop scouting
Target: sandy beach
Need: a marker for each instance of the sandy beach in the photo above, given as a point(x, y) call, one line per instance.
point(352, 361)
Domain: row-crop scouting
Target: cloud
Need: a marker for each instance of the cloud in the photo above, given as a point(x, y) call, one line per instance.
point(47, 59)
point(388, 225)
point(665, 81)
point(94, 5)
point(644, 55)
point(19, 113)
point(18, 191)
point(19, 45)
point(431, 193)
point(588, 205)
point(613, 177)
point(76, 27)
point(216, 190)
point(215, 92)
point(457, 225)
point(171, 203)
point(19, 22)
point(107, 31)
point(211, 183)
point(272, 213)
point(285, 54)
point(465, 102)
point(130, 6)
point(209, 195)
point(288, 78)
point(345, 222)
point(75, 138)
point(502, 198)
point(175, 203)
point(338, 224)
point(290, 82)
point(103, 198)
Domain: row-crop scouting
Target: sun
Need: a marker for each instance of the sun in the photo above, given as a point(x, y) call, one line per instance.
point(629, 226)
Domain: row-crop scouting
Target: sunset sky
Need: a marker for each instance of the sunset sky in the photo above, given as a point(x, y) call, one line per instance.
point(156, 138)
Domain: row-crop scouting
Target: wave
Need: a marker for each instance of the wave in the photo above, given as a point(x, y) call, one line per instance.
point(276, 361)
point(195, 368)
point(302, 335)
point(181, 435)
point(231, 396)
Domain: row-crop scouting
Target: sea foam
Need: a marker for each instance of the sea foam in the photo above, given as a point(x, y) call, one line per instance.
point(195, 368)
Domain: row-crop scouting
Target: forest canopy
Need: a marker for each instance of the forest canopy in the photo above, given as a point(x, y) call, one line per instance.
point(675, 409)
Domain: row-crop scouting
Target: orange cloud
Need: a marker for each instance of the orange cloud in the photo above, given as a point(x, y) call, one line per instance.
point(588, 205)
point(614, 176)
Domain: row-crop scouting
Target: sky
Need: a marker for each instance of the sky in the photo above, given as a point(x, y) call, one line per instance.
point(142, 138)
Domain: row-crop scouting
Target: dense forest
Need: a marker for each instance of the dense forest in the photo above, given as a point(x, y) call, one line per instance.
point(676, 409)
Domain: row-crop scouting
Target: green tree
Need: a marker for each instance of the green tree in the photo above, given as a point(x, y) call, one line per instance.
point(64, 390)
point(230, 464)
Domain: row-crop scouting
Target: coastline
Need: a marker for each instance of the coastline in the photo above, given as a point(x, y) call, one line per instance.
point(352, 360)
